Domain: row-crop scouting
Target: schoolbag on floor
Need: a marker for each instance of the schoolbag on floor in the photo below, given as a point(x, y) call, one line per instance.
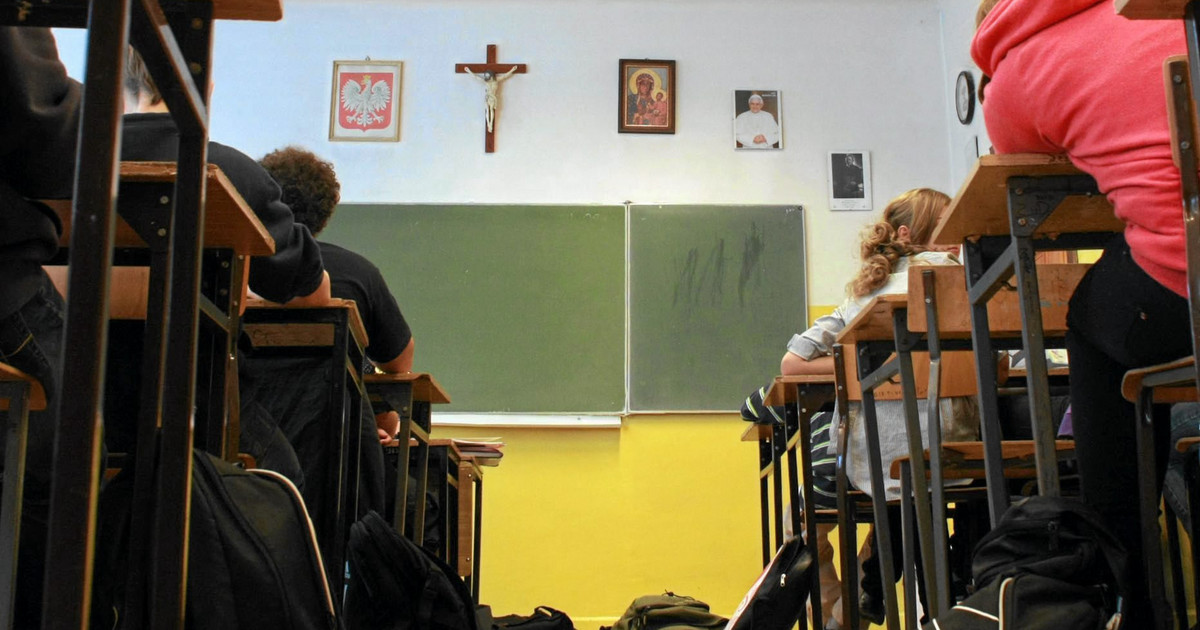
point(776, 600)
point(659, 612)
point(252, 553)
point(1049, 564)
point(396, 585)
point(543, 618)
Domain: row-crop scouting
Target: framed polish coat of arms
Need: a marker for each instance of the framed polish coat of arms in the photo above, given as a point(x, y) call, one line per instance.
point(365, 103)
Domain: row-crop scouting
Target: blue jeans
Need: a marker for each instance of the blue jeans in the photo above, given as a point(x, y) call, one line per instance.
point(31, 341)
point(1119, 318)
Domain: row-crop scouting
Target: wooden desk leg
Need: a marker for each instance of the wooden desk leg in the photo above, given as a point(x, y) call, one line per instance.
point(1030, 200)
point(941, 602)
point(1176, 559)
point(421, 415)
point(478, 535)
point(907, 525)
point(338, 430)
point(778, 445)
point(796, 493)
point(800, 417)
point(1148, 500)
point(904, 343)
point(883, 530)
point(1192, 477)
point(985, 378)
point(400, 494)
point(1187, 168)
point(764, 501)
point(76, 480)
point(846, 510)
point(16, 431)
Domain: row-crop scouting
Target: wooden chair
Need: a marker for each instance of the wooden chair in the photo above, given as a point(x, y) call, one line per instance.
point(20, 393)
point(1176, 381)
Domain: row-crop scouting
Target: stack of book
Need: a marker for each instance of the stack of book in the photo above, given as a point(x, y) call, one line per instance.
point(481, 448)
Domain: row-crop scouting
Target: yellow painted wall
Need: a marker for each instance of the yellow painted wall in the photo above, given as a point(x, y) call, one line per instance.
point(585, 520)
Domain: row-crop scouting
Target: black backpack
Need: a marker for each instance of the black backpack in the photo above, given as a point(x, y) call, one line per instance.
point(543, 618)
point(253, 560)
point(1050, 563)
point(776, 600)
point(396, 585)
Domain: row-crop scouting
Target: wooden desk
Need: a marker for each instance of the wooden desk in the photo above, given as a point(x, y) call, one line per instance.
point(1151, 9)
point(231, 233)
point(458, 484)
point(802, 396)
point(410, 395)
point(335, 333)
point(1049, 205)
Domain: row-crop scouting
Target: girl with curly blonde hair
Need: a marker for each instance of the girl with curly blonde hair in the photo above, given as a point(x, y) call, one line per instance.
point(888, 247)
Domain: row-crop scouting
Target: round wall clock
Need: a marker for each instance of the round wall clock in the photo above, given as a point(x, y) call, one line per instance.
point(964, 97)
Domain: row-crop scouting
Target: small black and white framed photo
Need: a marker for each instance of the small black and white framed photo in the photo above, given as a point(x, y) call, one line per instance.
point(849, 180)
point(756, 119)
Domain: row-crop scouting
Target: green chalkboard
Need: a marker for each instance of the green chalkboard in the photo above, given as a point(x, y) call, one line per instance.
point(513, 308)
point(715, 293)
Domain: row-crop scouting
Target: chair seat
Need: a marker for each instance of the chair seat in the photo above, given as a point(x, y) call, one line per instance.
point(965, 460)
point(1173, 382)
point(37, 395)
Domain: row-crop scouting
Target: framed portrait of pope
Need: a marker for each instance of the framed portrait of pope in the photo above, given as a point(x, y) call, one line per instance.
point(757, 124)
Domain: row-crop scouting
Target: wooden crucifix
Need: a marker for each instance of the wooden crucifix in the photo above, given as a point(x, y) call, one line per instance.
point(491, 74)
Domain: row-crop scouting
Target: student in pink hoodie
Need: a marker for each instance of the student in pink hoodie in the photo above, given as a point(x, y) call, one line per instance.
point(1071, 76)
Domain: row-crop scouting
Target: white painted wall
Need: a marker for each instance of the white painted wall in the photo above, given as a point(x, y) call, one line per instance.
point(854, 74)
point(958, 27)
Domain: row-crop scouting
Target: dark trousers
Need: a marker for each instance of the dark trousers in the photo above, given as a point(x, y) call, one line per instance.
point(1119, 318)
point(31, 341)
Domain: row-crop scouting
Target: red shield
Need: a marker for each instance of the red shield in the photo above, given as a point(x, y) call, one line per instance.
point(365, 100)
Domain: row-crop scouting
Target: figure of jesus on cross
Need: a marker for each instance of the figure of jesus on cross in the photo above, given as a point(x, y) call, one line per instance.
point(491, 74)
point(490, 83)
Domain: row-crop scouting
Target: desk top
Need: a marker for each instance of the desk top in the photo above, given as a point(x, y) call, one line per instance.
point(260, 10)
point(229, 222)
point(874, 321)
point(1056, 283)
point(272, 334)
point(783, 388)
point(1151, 9)
point(981, 206)
point(425, 387)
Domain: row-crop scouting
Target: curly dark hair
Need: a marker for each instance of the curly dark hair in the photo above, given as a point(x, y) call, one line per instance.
point(310, 185)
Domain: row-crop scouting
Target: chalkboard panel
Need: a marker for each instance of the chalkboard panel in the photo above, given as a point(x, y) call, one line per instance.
point(513, 308)
point(715, 293)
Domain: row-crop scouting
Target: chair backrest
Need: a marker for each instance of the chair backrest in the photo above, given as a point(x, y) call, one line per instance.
point(127, 291)
point(957, 376)
point(1056, 283)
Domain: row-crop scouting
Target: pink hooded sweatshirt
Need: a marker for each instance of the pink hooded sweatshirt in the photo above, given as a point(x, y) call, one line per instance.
point(1072, 76)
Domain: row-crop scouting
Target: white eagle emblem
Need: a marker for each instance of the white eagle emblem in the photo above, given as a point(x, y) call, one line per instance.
point(363, 102)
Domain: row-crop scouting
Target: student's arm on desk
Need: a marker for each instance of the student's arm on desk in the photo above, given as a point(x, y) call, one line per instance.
point(320, 297)
point(793, 364)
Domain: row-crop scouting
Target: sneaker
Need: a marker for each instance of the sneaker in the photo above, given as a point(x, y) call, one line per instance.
point(871, 608)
